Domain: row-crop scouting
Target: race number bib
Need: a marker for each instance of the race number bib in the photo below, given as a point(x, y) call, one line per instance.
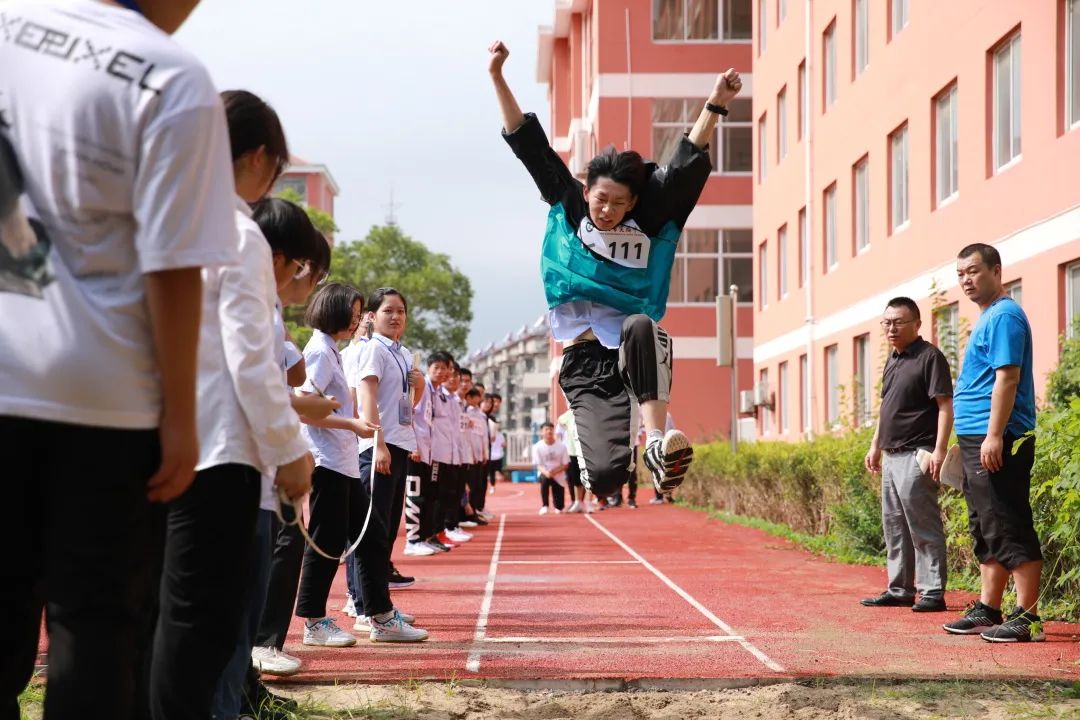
point(625, 244)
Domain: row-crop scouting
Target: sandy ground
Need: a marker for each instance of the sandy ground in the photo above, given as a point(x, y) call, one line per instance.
point(807, 701)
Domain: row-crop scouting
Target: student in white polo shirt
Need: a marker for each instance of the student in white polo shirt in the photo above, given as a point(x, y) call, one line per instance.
point(388, 388)
point(551, 458)
point(124, 175)
point(478, 440)
point(421, 494)
point(453, 498)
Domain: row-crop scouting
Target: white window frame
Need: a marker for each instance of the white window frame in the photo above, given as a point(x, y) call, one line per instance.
point(782, 398)
point(899, 16)
point(828, 65)
point(861, 204)
point(766, 413)
point(862, 36)
point(804, 249)
point(781, 11)
point(763, 274)
point(862, 377)
point(1012, 48)
point(781, 123)
point(763, 147)
point(1072, 61)
point(1015, 290)
point(806, 417)
point(899, 179)
point(1072, 296)
point(832, 386)
point(721, 12)
point(718, 140)
point(804, 100)
point(828, 228)
point(723, 283)
point(763, 26)
point(782, 261)
point(946, 151)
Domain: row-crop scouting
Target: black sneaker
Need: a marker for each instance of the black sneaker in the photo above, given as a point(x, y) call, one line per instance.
point(978, 618)
point(632, 504)
point(433, 541)
point(887, 599)
point(399, 581)
point(1022, 626)
point(929, 604)
point(668, 460)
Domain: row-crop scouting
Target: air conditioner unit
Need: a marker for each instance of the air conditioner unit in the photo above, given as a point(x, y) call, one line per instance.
point(746, 401)
point(762, 396)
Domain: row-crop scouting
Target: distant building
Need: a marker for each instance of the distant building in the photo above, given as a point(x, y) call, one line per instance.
point(312, 182)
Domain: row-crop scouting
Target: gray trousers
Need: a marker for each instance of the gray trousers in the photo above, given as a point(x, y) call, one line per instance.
point(914, 534)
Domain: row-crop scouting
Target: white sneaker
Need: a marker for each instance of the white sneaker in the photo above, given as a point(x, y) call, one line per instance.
point(326, 633)
point(544, 510)
point(349, 608)
point(397, 630)
point(363, 622)
point(467, 524)
point(558, 511)
point(458, 535)
point(271, 661)
point(418, 549)
point(575, 507)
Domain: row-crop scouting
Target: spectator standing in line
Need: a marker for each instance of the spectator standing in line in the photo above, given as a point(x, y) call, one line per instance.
point(551, 459)
point(995, 408)
point(916, 415)
point(567, 433)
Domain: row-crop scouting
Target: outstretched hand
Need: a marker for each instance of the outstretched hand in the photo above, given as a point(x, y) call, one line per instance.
point(728, 85)
point(499, 53)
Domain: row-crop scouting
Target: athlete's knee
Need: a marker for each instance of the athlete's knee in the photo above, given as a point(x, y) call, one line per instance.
point(638, 327)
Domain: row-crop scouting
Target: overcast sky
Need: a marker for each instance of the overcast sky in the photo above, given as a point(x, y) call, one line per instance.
point(397, 95)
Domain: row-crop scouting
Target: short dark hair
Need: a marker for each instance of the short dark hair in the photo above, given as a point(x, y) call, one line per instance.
point(331, 310)
point(440, 356)
point(987, 253)
point(473, 392)
point(321, 262)
point(905, 302)
point(548, 425)
point(496, 396)
point(375, 300)
point(626, 168)
point(254, 124)
point(465, 371)
point(287, 228)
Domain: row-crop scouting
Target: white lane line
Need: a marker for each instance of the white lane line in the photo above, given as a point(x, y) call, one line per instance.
point(585, 640)
point(473, 663)
point(746, 644)
point(568, 562)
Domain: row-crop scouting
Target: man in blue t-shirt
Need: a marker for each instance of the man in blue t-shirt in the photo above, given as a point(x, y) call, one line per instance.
point(994, 403)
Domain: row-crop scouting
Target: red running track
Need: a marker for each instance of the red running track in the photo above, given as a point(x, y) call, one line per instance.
point(661, 592)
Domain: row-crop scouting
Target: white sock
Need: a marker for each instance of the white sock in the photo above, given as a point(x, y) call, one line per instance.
point(384, 617)
point(655, 435)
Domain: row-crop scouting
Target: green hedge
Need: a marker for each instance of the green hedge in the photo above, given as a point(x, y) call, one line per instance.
point(821, 496)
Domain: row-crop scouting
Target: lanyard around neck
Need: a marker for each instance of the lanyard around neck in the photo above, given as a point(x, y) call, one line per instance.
point(403, 367)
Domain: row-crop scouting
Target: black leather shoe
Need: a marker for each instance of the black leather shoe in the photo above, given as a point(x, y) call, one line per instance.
point(887, 599)
point(929, 604)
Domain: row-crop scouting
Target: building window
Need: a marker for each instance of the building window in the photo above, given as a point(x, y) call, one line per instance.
point(689, 19)
point(829, 66)
point(781, 11)
point(763, 26)
point(946, 166)
point(861, 203)
point(1072, 64)
point(1015, 290)
point(781, 123)
point(862, 35)
point(804, 99)
point(862, 378)
point(829, 227)
point(782, 398)
point(730, 147)
point(707, 262)
point(782, 261)
point(804, 249)
point(832, 386)
point(804, 395)
point(1006, 102)
point(898, 177)
point(763, 148)
point(766, 413)
point(1072, 298)
point(763, 274)
point(898, 16)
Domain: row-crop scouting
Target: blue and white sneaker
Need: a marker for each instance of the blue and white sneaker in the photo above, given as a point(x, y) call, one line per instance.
point(395, 630)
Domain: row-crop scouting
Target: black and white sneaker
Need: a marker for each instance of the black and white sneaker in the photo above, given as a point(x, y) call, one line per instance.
point(1022, 626)
point(668, 460)
point(399, 581)
point(978, 618)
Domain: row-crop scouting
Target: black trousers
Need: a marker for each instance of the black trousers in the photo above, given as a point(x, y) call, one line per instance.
point(421, 502)
point(451, 482)
point(330, 510)
point(477, 479)
point(288, 556)
point(79, 542)
point(209, 534)
point(372, 556)
point(558, 493)
point(600, 383)
point(398, 471)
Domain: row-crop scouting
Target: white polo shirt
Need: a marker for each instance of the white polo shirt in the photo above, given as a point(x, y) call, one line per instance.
point(422, 418)
point(389, 362)
point(550, 457)
point(285, 355)
point(332, 448)
point(445, 428)
point(350, 359)
point(122, 140)
point(477, 433)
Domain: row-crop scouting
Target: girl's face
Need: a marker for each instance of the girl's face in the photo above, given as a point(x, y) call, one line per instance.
point(390, 317)
point(357, 311)
point(285, 270)
point(255, 173)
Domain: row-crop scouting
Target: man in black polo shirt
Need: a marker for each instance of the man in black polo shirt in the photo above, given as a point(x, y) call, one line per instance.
point(916, 418)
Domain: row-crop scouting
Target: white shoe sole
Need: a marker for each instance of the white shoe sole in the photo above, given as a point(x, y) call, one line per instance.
point(276, 671)
point(388, 639)
point(335, 644)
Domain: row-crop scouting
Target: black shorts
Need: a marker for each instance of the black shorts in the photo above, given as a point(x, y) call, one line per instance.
point(573, 473)
point(999, 505)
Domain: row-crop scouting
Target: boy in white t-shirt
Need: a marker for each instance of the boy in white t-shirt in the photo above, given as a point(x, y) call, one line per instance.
point(551, 459)
point(121, 140)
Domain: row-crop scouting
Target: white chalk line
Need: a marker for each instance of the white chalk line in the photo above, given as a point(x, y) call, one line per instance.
point(584, 640)
point(473, 663)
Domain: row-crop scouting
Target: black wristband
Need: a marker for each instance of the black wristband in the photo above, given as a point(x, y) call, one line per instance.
point(718, 109)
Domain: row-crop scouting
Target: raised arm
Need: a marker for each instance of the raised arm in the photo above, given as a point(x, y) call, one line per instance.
point(727, 87)
point(511, 112)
